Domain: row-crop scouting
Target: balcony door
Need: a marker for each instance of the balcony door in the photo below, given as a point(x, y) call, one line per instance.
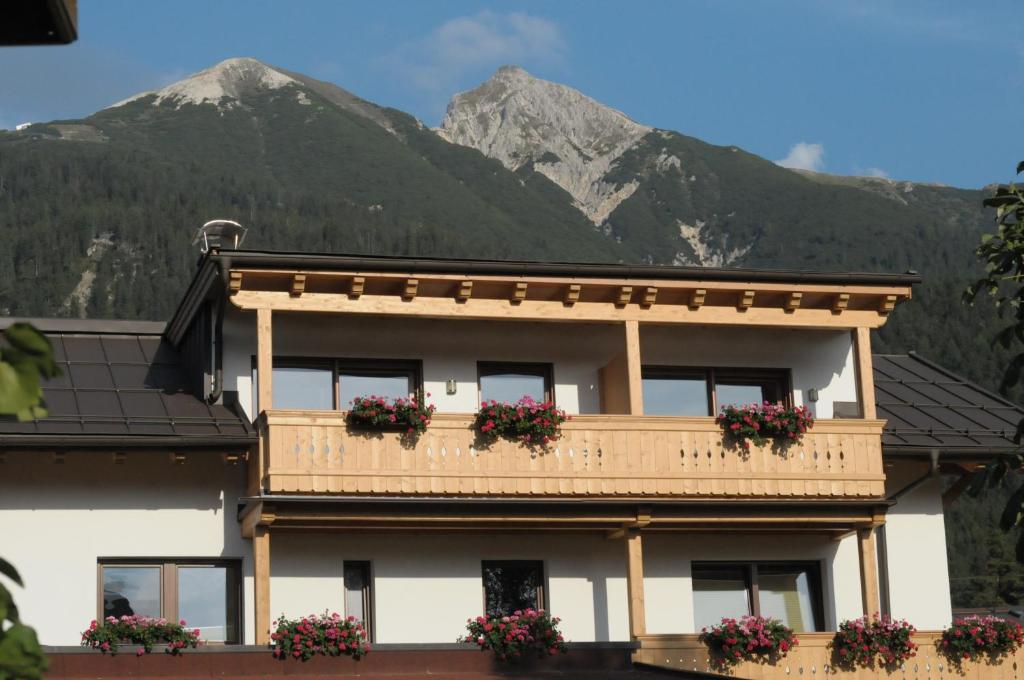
point(313, 384)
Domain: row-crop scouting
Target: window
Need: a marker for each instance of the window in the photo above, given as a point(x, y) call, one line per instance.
point(329, 384)
point(358, 594)
point(206, 594)
point(511, 382)
point(672, 391)
point(512, 585)
point(790, 592)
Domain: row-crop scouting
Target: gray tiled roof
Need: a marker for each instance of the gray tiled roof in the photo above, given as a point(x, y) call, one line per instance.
point(123, 389)
point(927, 407)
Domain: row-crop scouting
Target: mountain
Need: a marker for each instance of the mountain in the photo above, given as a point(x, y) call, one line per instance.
point(95, 214)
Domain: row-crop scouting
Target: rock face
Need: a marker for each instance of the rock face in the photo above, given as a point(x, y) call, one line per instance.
point(567, 136)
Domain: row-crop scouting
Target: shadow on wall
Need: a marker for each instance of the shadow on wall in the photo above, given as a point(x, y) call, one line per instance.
point(144, 481)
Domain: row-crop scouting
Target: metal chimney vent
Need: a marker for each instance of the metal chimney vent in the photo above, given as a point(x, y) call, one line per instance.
point(219, 234)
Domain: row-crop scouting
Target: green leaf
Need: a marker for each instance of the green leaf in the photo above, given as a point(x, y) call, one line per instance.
point(1020, 167)
point(20, 654)
point(8, 570)
point(1012, 512)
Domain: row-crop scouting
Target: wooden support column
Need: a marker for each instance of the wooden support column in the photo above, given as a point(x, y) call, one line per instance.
point(261, 580)
point(635, 583)
point(634, 370)
point(865, 372)
point(264, 359)
point(868, 571)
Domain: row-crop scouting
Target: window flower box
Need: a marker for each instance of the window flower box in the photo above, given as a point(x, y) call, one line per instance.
point(760, 424)
point(323, 634)
point(410, 416)
point(750, 638)
point(980, 637)
point(527, 421)
point(108, 635)
point(862, 642)
point(521, 633)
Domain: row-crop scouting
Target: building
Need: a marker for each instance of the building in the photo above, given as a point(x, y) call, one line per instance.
point(203, 469)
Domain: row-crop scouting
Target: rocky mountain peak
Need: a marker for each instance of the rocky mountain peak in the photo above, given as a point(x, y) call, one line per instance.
point(572, 139)
point(229, 80)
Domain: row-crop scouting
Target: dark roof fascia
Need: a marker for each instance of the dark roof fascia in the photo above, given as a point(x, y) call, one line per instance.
point(88, 326)
point(271, 259)
point(13, 442)
point(947, 453)
point(203, 282)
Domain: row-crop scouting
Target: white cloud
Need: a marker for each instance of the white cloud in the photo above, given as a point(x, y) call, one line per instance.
point(805, 156)
point(876, 172)
point(484, 40)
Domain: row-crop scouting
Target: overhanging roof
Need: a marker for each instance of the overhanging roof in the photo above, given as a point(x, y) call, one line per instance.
point(122, 387)
point(928, 407)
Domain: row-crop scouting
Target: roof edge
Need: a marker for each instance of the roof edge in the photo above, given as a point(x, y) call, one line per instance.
point(91, 326)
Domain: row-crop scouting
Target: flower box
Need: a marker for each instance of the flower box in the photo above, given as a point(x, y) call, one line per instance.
point(527, 421)
point(760, 424)
point(522, 633)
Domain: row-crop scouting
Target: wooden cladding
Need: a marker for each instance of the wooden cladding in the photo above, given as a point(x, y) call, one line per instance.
point(599, 456)
point(566, 299)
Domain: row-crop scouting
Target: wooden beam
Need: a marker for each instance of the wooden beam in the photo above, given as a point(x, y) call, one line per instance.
point(634, 369)
point(261, 583)
point(519, 292)
point(572, 294)
point(177, 457)
point(119, 457)
point(465, 291)
point(650, 296)
point(635, 583)
point(234, 281)
point(412, 287)
point(298, 285)
point(840, 302)
point(697, 298)
point(888, 304)
point(865, 372)
point(624, 296)
point(356, 287)
point(746, 300)
point(868, 571)
point(60, 457)
point(793, 301)
point(264, 360)
point(554, 310)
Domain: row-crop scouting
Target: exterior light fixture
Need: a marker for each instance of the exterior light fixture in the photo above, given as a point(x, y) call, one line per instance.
point(450, 386)
point(812, 395)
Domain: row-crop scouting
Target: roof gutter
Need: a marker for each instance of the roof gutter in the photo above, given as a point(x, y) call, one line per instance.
point(933, 472)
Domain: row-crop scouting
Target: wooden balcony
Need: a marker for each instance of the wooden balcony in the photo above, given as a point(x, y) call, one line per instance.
point(813, 658)
point(598, 456)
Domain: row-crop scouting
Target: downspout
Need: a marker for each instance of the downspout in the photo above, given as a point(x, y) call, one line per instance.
point(224, 266)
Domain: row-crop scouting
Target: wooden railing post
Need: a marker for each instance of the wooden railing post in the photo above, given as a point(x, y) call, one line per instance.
point(622, 379)
point(868, 571)
point(865, 372)
point(635, 583)
point(634, 369)
point(264, 360)
point(261, 581)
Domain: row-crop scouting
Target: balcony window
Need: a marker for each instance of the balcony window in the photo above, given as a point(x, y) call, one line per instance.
point(677, 391)
point(512, 584)
point(206, 594)
point(383, 379)
point(504, 382)
point(332, 384)
point(790, 592)
point(308, 387)
point(358, 594)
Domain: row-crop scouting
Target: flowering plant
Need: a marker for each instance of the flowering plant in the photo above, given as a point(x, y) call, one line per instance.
point(760, 423)
point(107, 635)
point(751, 638)
point(381, 413)
point(860, 641)
point(327, 634)
point(977, 636)
point(531, 422)
point(523, 632)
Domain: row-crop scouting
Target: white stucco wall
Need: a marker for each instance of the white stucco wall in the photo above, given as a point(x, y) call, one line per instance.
point(915, 539)
point(57, 520)
point(451, 349)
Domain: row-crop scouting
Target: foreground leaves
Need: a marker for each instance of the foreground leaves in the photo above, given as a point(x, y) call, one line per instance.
point(26, 358)
point(21, 657)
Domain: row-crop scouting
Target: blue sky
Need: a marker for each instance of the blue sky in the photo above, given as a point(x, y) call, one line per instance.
point(928, 90)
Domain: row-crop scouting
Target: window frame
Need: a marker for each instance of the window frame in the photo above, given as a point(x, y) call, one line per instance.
point(541, 581)
point(751, 570)
point(544, 370)
point(367, 592)
point(169, 586)
point(783, 377)
point(413, 368)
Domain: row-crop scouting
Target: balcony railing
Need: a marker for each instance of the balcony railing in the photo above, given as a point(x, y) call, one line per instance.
point(597, 456)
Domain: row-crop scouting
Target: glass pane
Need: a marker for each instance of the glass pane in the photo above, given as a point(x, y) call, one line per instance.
point(511, 387)
point(509, 586)
point(303, 388)
point(356, 587)
point(672, 396)
point(785, 594)
point(131, 590)
point(719, 592)
point(203, 602)
point(389, 386)
point(740, 395)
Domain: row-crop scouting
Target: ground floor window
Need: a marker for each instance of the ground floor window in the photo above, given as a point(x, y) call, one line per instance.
point(511, 585)
point(205, 593)
point(359, 594)
point(788, 591)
